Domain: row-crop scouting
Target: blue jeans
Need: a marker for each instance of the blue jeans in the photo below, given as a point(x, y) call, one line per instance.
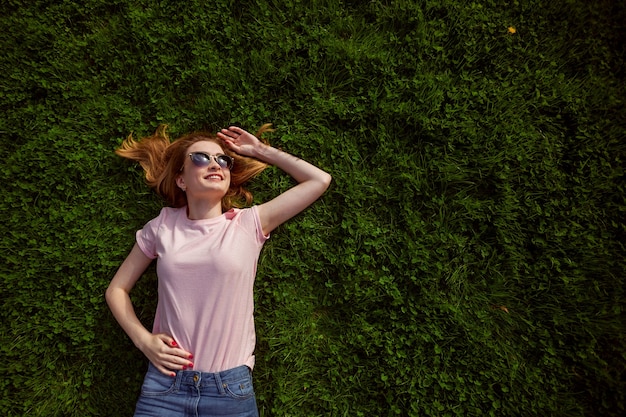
point(197, 394)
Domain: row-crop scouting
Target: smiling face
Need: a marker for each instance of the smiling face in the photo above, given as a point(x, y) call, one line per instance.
point(208, 182)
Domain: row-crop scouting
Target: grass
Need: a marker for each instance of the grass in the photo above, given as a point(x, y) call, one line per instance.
point(468, 258)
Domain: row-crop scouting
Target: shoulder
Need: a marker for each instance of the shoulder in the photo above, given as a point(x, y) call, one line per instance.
point(166, 215)
point(248, 219)
point(241, 213)
point(234, 213)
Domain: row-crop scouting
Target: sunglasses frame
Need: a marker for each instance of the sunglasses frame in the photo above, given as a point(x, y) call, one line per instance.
point(229, 160)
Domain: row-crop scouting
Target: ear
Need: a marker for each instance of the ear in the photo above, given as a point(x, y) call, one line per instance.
point(181, 182)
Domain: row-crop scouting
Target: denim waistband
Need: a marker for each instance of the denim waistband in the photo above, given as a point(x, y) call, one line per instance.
point(201, 379)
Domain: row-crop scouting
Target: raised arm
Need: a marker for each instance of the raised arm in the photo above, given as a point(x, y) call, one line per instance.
point(312, 181)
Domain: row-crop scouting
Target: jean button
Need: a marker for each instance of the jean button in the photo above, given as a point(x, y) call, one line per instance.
point(195, 378)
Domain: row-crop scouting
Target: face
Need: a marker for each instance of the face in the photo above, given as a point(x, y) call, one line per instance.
point(211, 181)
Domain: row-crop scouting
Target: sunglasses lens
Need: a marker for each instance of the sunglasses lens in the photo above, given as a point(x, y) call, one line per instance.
point(224, 161)
point(201, 160)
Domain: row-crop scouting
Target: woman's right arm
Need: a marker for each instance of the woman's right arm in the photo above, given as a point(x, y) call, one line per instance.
point(160, 349)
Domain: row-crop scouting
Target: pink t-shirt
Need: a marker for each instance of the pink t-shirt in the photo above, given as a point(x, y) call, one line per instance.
point(206, 271)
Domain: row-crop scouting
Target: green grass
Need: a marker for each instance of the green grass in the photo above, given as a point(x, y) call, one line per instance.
point(468, 258)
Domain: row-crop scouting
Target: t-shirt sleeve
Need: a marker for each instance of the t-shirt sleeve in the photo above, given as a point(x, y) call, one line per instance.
point(147, 237)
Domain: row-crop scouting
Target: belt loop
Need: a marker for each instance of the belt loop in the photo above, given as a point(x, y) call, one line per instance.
point(218, 383)
point(179, 379)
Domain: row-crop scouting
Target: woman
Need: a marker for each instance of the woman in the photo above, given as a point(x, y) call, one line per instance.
point(201, 346)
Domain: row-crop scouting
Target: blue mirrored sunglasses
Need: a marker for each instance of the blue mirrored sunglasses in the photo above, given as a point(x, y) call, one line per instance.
point(201, 159)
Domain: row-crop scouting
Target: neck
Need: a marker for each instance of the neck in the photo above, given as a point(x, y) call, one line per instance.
point(203, 209)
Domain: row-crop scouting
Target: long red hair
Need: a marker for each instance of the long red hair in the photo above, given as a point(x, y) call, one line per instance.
point(162, 159)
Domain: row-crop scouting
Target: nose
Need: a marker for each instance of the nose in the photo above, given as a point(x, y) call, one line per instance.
point(213, 162)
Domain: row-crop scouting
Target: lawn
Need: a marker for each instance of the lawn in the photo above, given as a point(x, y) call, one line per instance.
point(467, 260)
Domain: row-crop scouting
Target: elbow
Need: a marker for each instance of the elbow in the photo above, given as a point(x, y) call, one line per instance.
point(110, 295)
point(326, 180)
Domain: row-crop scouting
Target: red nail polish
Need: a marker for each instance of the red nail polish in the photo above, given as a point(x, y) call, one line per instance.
point(190, 365)
point(184, 368)
point(172, 374)
point(174, 343)
point(190, 356)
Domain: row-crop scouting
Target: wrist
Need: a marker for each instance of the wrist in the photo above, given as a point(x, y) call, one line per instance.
point(142, 339)
point(263, 152)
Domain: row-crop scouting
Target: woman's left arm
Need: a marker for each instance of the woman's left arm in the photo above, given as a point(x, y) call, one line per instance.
point(312, 181)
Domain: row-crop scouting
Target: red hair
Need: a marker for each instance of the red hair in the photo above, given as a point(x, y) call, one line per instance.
point(162, 160)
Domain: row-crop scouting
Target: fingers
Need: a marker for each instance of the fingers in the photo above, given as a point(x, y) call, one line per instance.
point(223, 135)
point(236, 129)
point(168, 340)
point(174, 348)
point(167, 356)
point(229, 133)
point(233, 132)
point(229, 141)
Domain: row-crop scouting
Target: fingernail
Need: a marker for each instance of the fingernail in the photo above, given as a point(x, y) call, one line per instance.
point(172, 374)
point(190, 356)
point(184, 368)
point(190, 365)
point(174, 343)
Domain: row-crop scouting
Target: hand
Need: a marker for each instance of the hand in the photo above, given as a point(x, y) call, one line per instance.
point(165, 354)
point(241, 141)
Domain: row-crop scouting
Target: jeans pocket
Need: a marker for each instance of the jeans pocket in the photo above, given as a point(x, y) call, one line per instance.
point(240, 388)
point(155, 383)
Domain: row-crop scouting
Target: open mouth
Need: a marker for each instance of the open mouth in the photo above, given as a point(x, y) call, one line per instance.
point(213, 177)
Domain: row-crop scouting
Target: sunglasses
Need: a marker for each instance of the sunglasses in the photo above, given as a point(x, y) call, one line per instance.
point(201, 160)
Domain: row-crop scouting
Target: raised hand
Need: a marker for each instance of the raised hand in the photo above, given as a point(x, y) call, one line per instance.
point(241, 141)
